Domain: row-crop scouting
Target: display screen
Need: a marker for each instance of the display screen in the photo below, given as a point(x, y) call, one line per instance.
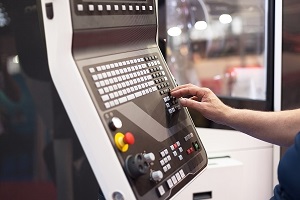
point(219, 45)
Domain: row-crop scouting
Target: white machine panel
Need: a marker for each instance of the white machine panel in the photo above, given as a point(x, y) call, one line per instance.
point(115, 86)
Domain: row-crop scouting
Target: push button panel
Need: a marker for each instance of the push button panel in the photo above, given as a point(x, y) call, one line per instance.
point(157, 169)
point(83, 7)
point(153, 136)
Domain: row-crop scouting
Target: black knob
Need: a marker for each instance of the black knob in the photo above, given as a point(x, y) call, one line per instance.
point(137, 165)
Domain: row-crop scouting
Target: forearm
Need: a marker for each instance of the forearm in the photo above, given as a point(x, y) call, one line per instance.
point(275, 127)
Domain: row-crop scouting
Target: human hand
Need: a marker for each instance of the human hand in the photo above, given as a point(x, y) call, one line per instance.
point(203, 100)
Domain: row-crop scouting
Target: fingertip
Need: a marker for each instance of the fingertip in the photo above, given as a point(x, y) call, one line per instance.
point(183, 101)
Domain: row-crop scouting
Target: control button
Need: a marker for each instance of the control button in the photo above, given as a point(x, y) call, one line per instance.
point(92, 70)
point(150, 7)
point(79, 7)
point(162, 154)
point(175, 153)
point(128, 138)
point(174, 180)
point(162, 162)
point(137, 7)
point(166, 160)
point(180, 149)
point(100, 8)
point(172, 147)
point(180, 157)
point(100, 90)
point(116, 7)
point(115, 123)
point(130, 8)
point(123, 141)
point(182, 174)
point(190, 150)
point(196, 146)
point(175, 145)
point(149, 157)
point(168, 166)
point(165, 169)
point(178, 177)
point(161, 190)
point(166, 151)
point(123, 7)
point(107, 105)
point(170, 183)
point(156, 175)
point(169, 157)
point(108, 7)
point(91, 7)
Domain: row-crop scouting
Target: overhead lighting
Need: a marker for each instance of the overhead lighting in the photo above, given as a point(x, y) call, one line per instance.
point(200, 25)
point(225, 19)
point(174, 31)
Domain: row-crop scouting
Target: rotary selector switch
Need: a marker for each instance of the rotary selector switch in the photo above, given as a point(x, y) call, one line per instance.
point(156, 175)
point(115, 123)
point(149, 157)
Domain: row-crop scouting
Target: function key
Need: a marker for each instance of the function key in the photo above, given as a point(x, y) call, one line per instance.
point(91, 7)
point(79, 7)
point(108, 7)
point(143, 7)
point(123, 7)
point(150, 7)
point(182, 174)
point(161, 190)
point(92, 70)
point(116, 7)
point(130, 7)
point(137, 7)
point(98, 68)
point(100, 7)
point(170, 183)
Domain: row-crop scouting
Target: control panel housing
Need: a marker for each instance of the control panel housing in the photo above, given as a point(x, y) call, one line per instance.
point(115, 85)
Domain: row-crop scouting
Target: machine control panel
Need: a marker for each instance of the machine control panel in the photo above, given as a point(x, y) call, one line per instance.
point(115, 85)
point(154, 137)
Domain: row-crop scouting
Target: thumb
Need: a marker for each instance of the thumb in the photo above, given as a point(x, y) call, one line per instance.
point(190, 103)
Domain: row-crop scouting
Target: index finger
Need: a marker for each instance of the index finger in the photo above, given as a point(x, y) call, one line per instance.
point(188, 90)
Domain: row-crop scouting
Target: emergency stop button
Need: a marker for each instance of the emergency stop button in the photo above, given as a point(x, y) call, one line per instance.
point(124, 140)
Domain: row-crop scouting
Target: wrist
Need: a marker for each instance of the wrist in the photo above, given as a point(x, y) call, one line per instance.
point(230, 116)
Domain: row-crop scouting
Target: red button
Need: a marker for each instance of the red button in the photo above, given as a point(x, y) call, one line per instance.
point(128, 138)
point(188, 151)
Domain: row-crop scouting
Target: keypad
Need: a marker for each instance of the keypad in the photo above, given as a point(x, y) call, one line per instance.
point(109, 8)
point(121, 81)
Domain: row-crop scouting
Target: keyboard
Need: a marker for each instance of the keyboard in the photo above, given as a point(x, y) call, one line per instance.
point(120, 81)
